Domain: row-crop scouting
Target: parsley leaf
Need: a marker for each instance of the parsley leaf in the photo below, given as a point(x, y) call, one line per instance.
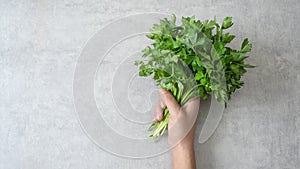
point(192, 59)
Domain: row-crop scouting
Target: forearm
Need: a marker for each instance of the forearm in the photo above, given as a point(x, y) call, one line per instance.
point(183, 156)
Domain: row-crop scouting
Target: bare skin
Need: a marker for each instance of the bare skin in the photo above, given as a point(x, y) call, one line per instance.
point(181, 128)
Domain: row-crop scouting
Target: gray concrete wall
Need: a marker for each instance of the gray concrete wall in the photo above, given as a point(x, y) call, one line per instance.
point(40, 42)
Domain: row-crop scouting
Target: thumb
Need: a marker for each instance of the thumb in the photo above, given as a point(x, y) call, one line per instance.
point(169, 101)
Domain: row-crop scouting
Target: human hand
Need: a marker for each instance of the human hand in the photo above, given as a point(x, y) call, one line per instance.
point(181, 125)
point(181, 128)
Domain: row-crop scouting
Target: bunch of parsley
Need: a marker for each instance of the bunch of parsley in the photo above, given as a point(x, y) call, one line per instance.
point(193, 59)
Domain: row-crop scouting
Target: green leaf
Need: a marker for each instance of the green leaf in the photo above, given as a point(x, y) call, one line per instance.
point(227, 23)
point(238, 57)
point(146, 51)
point(219, 47)
point(247, 65)
point(227, 38)
point(246, 46)
point(138, 62)
point(199, 75)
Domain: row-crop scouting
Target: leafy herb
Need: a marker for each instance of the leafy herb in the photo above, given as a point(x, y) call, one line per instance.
point(193, 59)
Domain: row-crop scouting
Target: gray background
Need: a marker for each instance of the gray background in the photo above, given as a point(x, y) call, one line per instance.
point(40, 42)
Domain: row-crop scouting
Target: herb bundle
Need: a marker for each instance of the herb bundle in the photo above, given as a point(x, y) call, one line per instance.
point(193, 59)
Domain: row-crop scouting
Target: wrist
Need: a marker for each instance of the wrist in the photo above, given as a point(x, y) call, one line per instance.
point(186, 144)
point(183, 156)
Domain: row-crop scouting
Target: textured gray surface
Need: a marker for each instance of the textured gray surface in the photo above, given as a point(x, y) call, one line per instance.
point(40, 42)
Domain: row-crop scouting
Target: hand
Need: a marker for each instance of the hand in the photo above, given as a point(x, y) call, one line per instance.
point(182, 120)
point(181, 128)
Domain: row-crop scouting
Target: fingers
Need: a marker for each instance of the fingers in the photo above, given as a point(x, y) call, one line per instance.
point(158, 112)
point(167, 100)
point(170, 102)
point(192, 106)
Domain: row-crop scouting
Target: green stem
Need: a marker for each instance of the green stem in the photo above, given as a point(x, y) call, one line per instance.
point(185, 97)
